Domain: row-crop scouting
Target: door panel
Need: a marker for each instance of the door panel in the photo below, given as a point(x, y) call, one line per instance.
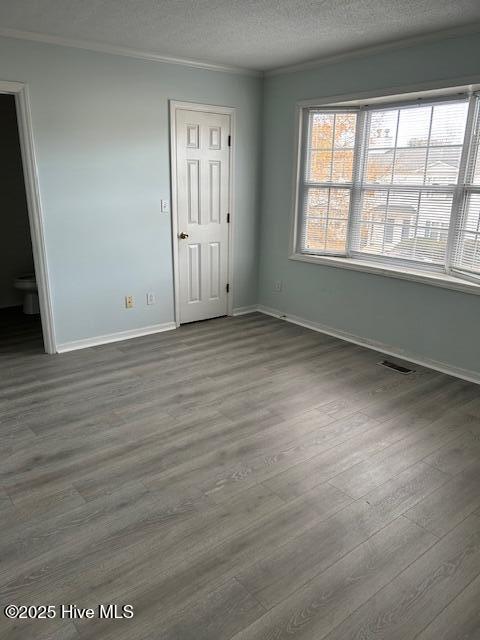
point(194, 272)
point(215, 190)
point(214, 270)
point(203, 178)
point(193, 186)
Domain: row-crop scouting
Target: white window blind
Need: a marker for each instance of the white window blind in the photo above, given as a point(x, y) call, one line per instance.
point(398, 184)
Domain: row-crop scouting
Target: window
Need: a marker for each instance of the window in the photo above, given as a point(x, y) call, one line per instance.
point(393, 184)
point(328, 181)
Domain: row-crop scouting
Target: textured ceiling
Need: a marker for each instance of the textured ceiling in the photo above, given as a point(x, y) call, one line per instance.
point(256, 34)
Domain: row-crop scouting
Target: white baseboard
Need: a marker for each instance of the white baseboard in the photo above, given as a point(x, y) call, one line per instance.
point(442, 367)
point(115, 337)
point(241, 311)
point(464, 374)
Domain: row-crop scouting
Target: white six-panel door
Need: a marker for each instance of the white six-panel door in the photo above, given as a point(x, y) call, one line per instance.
point(202, 198)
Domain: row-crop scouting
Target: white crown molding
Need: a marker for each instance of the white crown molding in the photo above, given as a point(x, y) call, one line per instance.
point(378, 48)
point(119, 336)
point(123, 51)
point(442, 367)
point(198, 64)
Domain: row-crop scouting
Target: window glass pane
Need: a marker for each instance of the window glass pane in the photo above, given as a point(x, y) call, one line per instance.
point(326, 219)
point(342, 168)
point(432, 228)
point(321, 127)
point(421, 145)
point(315, 235)
point(409, 166)
point(472, 213)
point(324, 202)
point(331, 144)
point(443, 165)
point(336, 236)
point(374, 206)
point(379, 166)
point(339, 203)
point(317, 202)
point(414, 127)
point(382, 129)
point(345, 130)
point(448, 123)
point(410, 225)
point(467, 253)
point(473, 163)
point(320, 169)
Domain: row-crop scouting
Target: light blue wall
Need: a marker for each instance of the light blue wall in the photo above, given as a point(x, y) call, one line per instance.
point(421, 320)
point(101, 134)
point(100, 124)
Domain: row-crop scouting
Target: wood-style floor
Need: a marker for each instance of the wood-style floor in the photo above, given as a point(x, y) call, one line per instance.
point(241, 478)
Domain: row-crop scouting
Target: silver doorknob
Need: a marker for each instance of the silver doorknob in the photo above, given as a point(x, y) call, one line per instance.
point(183, 235)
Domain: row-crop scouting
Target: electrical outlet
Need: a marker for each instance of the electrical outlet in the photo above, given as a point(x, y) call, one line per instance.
point(150, 297)
point(277, 285)
point(164, 206)
point(129, 302)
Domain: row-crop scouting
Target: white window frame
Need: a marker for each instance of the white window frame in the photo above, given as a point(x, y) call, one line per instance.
point(303, 185)
point(465, 189)
point(443, 276)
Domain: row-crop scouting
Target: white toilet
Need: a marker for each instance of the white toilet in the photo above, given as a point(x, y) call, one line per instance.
point(28, 284)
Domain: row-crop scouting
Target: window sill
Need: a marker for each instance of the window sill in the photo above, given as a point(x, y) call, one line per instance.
point(435, 279)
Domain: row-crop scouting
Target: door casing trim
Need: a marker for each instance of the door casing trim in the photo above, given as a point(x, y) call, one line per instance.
point(35, 215)
point(209, 108)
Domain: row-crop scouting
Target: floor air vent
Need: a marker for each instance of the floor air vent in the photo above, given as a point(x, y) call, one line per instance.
point(396, 367)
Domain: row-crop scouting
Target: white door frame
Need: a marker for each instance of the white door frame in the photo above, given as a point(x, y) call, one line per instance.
point(194, 106)
point(35, 215)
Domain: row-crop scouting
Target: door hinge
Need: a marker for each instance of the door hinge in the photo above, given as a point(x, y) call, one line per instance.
point(229, 141)
point(228, 288)
point(228, 217)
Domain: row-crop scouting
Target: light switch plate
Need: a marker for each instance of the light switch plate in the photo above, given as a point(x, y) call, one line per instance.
point(164, 206)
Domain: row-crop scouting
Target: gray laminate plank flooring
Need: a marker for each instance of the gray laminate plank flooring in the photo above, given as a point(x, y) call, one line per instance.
point(240, 478)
